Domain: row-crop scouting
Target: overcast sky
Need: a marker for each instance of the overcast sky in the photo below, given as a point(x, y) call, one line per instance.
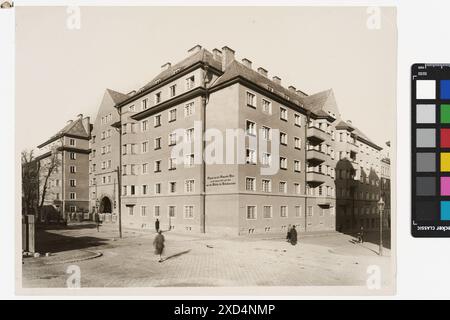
point(61, 73)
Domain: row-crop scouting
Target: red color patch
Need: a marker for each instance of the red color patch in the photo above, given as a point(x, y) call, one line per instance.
point(445, 138)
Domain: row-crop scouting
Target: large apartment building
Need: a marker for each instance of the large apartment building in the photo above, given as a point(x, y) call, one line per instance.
point(63, 169)
point(211, 94)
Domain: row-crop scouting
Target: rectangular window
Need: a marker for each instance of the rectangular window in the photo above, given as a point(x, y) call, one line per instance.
point(72, 196)
point(267, 133)
point(297, 120)
point(251, 156)
point(144, 189)
point(156, 211)
point(143, 211)
point(144, 147)
point(144, 168)
point(266, 185)
point(72, 142)
point(172, 187)
point(157, 188)
point(172, 164)
point(282, 187)
point(157, 167)
point(310, 211)
point(144, 104)
point(172, 139)
point(189, 109)
point(132, 190)
point(73, 156)
point(190, 83)
point(157, 143)
point(297, 143)
point(131, 108)
point(173, 90)
point(283, 138)
point(250, 128)
point(283, 114)
point(73, 208)
point(124, 190)
point(297, 166)
point(189, 186)
point(157, 121)
point(266, 106)
point(188, 212)
point(133, 148)
point(298, 211)
point(251, 100)
point(73, 182)
point(189, 160)
point(297, 188)
point(130, 210)
point(144, 125)
point(266, 159)
point(172, 211)
point(283, 212)
point(283, 163)
point(251, 212)
point(157, 97)
point(267, 212)
point(250, 184)
point(73, 169)
point(189, 135)
point(172, 115)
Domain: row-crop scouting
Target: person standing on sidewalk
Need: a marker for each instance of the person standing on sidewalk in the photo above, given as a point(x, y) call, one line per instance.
point(158, 243)
point(157, 225)
point(97, 220)
point(288, 235)
point(293, 236)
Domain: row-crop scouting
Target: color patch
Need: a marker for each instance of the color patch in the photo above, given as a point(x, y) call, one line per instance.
point(445, 89)
point(425, 89)
point(445, 210)
point(426, 162)
point(445, 162)
point(426, 113)
point(426, 138)
point(445, 138)
point(426, 210)
point(445, 113)
point(445, 186)
point(425, 186)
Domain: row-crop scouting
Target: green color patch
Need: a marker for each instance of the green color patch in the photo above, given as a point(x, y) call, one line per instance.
point(445, 113)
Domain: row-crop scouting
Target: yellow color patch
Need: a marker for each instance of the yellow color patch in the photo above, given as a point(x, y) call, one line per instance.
point(445, 161)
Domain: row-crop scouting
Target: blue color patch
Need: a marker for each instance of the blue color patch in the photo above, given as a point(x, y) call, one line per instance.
point(445, 210)
point(445, 89)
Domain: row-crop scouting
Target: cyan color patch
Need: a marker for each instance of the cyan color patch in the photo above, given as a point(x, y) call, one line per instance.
point(445, 210)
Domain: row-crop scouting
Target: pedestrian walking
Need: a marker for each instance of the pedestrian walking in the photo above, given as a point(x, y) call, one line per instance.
point(97, 221)
point(158, 243)
point(288, 235)
point(361, 235)
point(157, 225)
point(293, 237)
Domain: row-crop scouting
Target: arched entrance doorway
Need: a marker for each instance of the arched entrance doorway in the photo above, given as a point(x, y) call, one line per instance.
point(105, 205)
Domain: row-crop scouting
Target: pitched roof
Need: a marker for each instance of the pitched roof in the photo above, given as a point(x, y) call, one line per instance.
point(117, 97)
point(74, 128)
point(344, 125)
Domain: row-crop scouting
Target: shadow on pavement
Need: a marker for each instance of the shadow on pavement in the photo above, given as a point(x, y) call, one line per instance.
point(52, 242)
point(177, 254)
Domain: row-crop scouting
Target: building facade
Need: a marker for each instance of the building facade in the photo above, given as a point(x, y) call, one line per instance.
point(319, 157)
point(63, 170)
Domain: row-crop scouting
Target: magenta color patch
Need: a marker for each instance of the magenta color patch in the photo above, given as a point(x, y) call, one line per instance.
point(445, 186)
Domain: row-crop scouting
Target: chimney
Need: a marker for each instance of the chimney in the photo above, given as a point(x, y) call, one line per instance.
point(69, 121)
point(131, 93)
point(195, 49)
point(166, 66)
point(276, 79)
point(87, 125)
point(217, 54)
point(227, 57)
point(80, 116)
point(292, 88)
point(247, 63)
point(349, 121)
point(263, 71)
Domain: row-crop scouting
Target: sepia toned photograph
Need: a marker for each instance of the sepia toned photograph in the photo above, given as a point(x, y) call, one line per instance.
point(215, 149)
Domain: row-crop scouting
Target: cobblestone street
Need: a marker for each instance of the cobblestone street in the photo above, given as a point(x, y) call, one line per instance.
point(201, 260)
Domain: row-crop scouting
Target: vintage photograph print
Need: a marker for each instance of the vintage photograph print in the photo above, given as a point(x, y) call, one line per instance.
point(206, 150)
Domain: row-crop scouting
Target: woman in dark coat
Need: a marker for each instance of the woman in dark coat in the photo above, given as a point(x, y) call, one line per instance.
point(293, 236)
point(158, 243)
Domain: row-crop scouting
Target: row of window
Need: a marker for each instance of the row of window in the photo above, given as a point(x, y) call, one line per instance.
point(106, 119)
point(266, 185)
point(267, 211)
point(188, 211)
point(358, 195)
point(189, 187)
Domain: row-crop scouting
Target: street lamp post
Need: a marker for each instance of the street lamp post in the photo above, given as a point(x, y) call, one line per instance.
point(381, 209)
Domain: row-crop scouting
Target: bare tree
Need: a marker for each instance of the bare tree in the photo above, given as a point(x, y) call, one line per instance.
point(47, 167)
point(30, 182)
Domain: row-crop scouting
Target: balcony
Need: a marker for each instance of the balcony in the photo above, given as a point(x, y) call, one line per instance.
point(326, 201)
point(315, 157)
point(315, 178)
point(353, 147)
point(316, 136)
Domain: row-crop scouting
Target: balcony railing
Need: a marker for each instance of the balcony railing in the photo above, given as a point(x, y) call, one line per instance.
point(316, 135)
point(315, 177)
point(315, 156)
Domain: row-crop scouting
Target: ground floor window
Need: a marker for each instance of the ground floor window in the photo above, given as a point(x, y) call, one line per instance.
point(251, 212)
point(310, 211)
point(143, 211)
point(172, 211)
point(283, 211)
point(188, 212)
point(130, 210)
point(156, 211)
point(73, 208)
point(298, 211)
point(267, 212)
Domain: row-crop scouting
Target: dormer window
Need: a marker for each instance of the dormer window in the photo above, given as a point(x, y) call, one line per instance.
point(190, 83)
point(158, 97)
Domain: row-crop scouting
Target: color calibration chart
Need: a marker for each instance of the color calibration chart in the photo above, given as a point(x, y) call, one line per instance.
point(430, 144)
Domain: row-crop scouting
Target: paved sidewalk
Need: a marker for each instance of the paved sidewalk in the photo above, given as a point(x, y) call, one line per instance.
point(202, 260)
